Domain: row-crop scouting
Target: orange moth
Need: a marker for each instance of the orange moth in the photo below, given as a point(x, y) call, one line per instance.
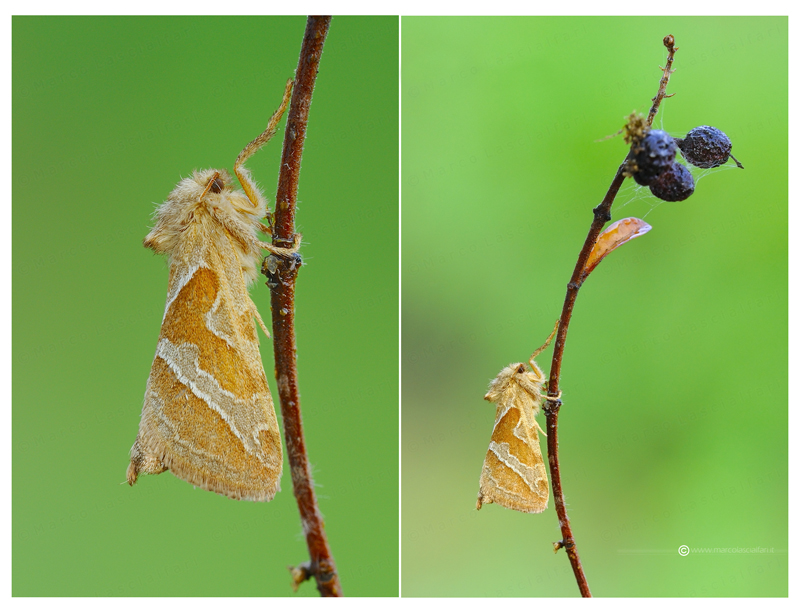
point(208, 415)
point(513, 473)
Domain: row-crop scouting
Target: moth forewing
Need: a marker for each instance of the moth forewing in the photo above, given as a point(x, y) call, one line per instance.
point(208, 414)
point(513, 473)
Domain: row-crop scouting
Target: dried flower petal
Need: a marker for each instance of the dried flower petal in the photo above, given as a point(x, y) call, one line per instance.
point(611, 238)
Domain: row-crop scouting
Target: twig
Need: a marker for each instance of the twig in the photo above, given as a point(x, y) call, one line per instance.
point(602, 214)
point(669, 43)
point(282, 273)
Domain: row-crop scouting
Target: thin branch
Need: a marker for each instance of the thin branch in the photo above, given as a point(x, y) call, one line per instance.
point(282, 273)
point(602, 214)
point(669, 43)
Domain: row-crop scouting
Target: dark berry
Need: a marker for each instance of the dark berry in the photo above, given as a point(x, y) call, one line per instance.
point(652, 156)
point(674, 184)
point(706, 147)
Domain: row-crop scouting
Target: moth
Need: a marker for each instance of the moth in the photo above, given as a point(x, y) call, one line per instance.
point(208, 415)
point(513, 473)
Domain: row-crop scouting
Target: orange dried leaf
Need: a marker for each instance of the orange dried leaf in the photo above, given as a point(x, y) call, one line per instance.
point(611, 238)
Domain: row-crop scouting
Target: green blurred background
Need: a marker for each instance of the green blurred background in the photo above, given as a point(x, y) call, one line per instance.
point(108, 115)
point(674, 424)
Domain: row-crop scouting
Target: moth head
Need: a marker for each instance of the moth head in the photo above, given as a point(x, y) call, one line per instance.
point(515, 384)
point(202, 188)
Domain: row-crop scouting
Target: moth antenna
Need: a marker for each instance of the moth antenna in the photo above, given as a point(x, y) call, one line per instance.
point(546, 343)
point(257, 143)
point(210, 187)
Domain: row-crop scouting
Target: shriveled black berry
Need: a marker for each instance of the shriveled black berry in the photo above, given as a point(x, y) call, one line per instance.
point(706, 147)
point(653, 155)
point(674, 184)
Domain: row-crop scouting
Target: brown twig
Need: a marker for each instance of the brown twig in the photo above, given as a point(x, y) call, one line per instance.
point(669, 43)
point(602, 214)
point(282, 273)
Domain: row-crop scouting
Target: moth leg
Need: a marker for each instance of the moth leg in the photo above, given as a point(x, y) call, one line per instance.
point(258, 318)
point(544, 396)
point(286, 252)
point(541, 430)
point(546, 343)
point(266, 228)
point(248, 185)
point(240, 230)
point(537, 371)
